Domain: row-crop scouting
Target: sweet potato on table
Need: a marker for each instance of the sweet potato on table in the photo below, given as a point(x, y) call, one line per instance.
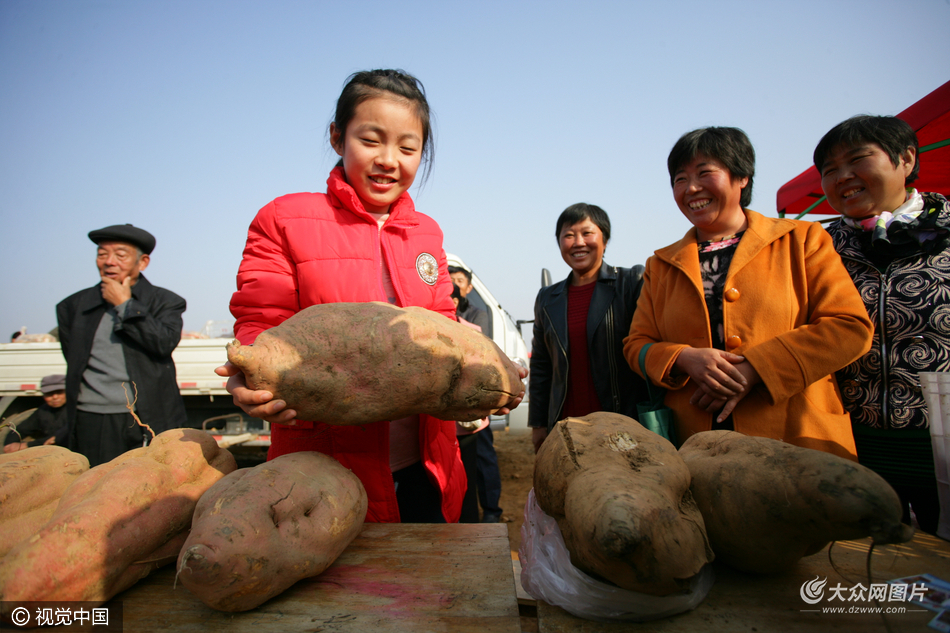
point(767, 504)
point(353, 363)
point(116, 522)
point(31, 483)
point(620, 495)
point(259, 530)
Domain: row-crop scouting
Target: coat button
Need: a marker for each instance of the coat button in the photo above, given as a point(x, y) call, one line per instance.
point(733, 342)
point(732, 295)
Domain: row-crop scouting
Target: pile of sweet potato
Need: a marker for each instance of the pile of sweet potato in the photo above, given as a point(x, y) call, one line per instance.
point(634, 511)
point(241, 536)
point(116, 522)
point(353, 363)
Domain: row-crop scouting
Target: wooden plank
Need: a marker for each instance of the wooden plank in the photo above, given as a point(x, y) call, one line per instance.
point(745, 602)
point(393, 577)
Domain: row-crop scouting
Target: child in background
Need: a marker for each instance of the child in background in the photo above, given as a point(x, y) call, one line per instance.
point(47, 425)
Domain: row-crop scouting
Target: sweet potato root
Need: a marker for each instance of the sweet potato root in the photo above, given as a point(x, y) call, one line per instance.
point(31, 484)
point(620, 495)
point(116, 522)
point(767, 504)
point(353, 363)
point(259, 530)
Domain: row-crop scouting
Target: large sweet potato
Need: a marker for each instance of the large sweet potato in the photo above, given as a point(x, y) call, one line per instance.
point(620, 495)
point(353, 363)
point(116, 522)
point(767, 504)
point(259, 530)
point(31, 483)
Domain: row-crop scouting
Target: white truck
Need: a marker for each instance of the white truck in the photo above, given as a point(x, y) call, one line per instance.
point(207, 402)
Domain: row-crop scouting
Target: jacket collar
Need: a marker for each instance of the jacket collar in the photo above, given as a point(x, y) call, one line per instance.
point(606, 273)
point(847, 239)
point(402, 214)
point(599, 303)
point(93, 299)
point(761, 232)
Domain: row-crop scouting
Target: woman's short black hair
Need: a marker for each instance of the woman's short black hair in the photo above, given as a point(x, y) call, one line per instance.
point(580, 212)
point(891, 134)
point(376, 83)
point(728, 145)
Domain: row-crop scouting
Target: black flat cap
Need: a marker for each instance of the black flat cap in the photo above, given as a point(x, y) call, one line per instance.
point(125, 233)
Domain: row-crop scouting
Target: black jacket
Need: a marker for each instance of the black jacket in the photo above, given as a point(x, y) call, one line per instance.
point(619, 389)
point(150, 331)
point(46, 422)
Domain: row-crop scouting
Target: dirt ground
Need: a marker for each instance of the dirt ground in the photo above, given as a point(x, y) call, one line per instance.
point(516, 463)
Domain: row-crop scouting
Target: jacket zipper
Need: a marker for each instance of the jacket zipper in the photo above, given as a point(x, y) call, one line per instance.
point(611, 359)
point(567, 363)
point(882, 328)
point(885, 361)
point(379, 265)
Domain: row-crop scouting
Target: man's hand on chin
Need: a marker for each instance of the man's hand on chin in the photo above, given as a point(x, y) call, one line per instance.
point(114, 292)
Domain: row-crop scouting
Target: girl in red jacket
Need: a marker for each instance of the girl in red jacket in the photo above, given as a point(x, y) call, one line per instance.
point(362, 240)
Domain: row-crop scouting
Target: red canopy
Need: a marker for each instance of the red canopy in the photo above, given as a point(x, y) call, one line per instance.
point(930, 118)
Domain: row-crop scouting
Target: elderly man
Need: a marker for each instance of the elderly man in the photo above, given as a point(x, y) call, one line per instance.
point(117, 338)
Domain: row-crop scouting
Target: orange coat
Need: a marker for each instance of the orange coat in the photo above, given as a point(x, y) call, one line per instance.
point(790, 308)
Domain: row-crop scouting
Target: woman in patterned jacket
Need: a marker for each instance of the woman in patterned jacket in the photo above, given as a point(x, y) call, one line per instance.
point(894, 243)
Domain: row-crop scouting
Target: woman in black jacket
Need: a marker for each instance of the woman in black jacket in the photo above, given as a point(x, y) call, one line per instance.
point(577, 362)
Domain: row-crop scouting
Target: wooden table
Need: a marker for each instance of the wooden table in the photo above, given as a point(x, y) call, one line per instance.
point(742, 602)
point(393, 577)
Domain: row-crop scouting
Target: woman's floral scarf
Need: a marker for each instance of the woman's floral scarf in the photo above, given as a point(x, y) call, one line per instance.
point(908, 224)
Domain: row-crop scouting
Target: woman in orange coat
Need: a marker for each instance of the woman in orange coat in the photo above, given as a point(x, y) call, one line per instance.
point(779, 314)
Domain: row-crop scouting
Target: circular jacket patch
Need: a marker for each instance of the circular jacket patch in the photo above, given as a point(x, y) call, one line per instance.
point(428, 268)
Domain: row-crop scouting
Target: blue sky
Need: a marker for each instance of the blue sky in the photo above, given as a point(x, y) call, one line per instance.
point(185, 118)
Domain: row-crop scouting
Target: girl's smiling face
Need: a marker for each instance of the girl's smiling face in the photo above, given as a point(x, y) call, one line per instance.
point(861, 181)
point(381, 150)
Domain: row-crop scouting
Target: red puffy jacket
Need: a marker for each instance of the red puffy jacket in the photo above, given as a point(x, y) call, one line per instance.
point(305, 249)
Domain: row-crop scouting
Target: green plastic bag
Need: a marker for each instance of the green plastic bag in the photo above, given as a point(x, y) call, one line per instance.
point(653, 414)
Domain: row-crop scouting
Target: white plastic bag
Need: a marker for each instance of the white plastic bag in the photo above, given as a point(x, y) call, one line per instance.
point(547, 574)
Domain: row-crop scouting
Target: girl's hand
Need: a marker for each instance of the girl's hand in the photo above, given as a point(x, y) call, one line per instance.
point(515, 401)
point(712, 404)
point(258, 404)
point(713, 370)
